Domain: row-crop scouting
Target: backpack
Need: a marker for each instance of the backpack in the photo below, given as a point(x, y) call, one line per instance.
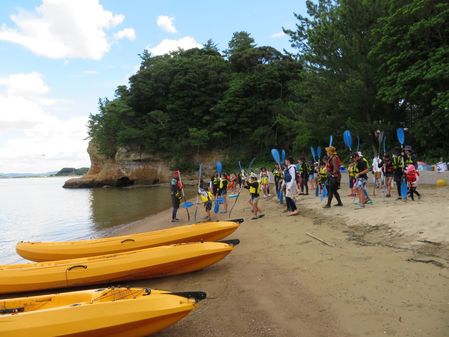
point(287, 176)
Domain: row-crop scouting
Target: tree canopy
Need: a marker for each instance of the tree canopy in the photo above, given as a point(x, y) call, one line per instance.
point(361, 65)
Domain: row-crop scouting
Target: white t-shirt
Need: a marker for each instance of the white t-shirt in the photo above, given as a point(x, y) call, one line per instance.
point(375, 165)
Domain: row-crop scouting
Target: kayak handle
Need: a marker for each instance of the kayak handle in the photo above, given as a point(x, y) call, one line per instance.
point(128, 240)
point(77, 266)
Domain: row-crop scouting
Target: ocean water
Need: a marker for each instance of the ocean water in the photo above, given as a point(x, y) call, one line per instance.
point(39, 209)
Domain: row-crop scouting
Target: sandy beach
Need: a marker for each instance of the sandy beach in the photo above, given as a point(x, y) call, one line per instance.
point(384, 272)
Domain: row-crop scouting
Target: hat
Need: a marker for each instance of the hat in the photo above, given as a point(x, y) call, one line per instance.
point(331, 149)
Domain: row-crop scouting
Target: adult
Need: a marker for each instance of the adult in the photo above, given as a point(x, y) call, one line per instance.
point(290, 186)
point(334, 176)
point(388, 172)
point(361, 178)
point(253, 185)
point(398, 169)
point(376, 168)
point(304, 171)
point(410, 157)
point(176, 194)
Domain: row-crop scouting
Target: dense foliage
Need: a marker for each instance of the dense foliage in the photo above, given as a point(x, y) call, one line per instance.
point(363, 65)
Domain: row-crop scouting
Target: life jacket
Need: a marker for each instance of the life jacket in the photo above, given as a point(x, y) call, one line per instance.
point(264, 180)
point(253, 189)
point(408, 161)
point(215, 181)
point(207, 198)
point(322, 174)
point(276, 172)
point(398, 163)
point(222, 183)
point(353, 170)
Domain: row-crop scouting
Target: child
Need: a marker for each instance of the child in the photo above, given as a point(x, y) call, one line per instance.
point(412, 176)
point(207, 198)
point(254, 189)
point(223, 190)
point(264, 180)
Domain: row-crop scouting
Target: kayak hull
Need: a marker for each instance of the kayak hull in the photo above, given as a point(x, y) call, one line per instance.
point(127, 312)
point(52, 251)
point(134, 265)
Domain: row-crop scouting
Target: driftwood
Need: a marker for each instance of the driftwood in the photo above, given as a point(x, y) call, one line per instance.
point(317, 238)
point(434, 262)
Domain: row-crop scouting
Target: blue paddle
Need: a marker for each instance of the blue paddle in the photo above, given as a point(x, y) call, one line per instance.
point(331, 140)
point(217, 204)
point(187, 204)
point(323, 193)
point(347, 139)
point(401, 136)
point(318, 152)
point(276, 157)
point(283, 156)
point(251, 164)
point(197, 192)
point(219, 167)
point(312, 150)
point(404, 189)
point(240, 166)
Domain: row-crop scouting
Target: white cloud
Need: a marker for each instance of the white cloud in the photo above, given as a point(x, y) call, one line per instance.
point(61, 29)
point(278, 35)
point(41, 142)
point(166, 46)
point(127, 33)
point(166, 23)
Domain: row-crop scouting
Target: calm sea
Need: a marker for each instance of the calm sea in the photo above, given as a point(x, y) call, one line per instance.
point(39, 209)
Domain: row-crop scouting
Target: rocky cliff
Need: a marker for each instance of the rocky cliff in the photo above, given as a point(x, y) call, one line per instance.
point(127, 168)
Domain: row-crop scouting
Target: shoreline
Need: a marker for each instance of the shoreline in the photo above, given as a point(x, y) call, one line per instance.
point(383, 269)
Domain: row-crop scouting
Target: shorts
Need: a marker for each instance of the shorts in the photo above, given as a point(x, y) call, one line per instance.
point(360, 183)
point(208, 206)
point(254, 199)
point(223, 192)
point(389, 174)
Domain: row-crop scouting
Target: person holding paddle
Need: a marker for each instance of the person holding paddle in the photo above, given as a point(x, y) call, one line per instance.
point(176, 194)
point(334, 176)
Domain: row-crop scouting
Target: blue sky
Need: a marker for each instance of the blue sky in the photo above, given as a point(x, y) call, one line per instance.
point(59, 56)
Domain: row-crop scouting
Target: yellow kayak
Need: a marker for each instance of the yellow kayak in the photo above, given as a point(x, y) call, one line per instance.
point(112, 312)
point(51, 251)
point(137, 264)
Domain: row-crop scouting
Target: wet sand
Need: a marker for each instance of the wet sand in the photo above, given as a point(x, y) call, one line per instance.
point(384, 273)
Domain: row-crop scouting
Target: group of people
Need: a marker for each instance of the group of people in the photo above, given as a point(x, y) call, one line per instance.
point(292, 178)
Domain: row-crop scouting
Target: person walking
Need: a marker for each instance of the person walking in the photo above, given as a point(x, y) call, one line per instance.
point(290, 186)
point(334, 176)
point(361, 178)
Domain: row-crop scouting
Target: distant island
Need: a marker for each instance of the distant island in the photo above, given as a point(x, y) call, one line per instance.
point(70, 171)
point(65, 172)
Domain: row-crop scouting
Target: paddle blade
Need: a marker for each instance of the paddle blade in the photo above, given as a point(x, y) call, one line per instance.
point(187, 204)
point(404, 189)
point(276, 157)
point(216, 207)
point(331, 140)
point(400, 135)
point(347, 139)
point(312, 150)
point(283, 156)
point(318, 152)
point(219, 167)
point(240, 166)
point(251, 164)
